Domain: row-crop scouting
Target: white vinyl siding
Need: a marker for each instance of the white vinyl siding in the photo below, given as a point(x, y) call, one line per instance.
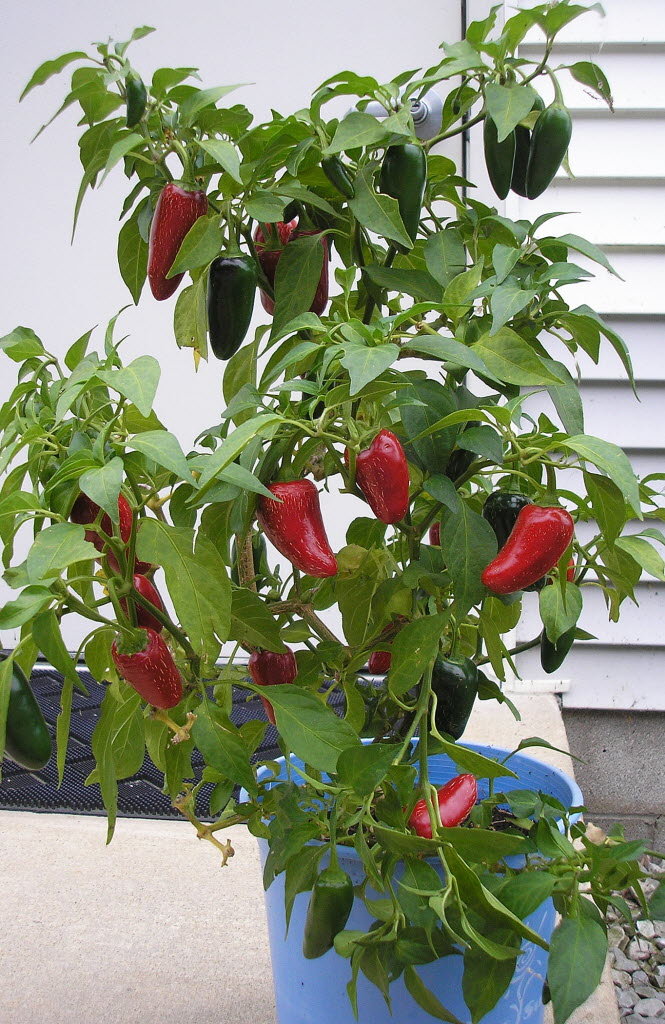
point(616, 200)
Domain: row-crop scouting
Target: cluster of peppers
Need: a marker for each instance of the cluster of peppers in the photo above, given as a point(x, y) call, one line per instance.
point(143, 660)
point(331, 901)
point(233, 277)
point(526, 161)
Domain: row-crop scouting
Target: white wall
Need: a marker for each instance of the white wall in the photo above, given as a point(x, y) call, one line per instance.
point(286, 50)
point(615, 200)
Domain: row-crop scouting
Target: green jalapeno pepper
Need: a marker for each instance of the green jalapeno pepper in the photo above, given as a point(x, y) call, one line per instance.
point(328, 911)
point(499, 157)
point(549, 144)
point(231, 290)
point(455, 684)
point(137, 98)
point(338, 176)
point(522, 147)
point(403, 176)
point(554, 653)
point(27, 739)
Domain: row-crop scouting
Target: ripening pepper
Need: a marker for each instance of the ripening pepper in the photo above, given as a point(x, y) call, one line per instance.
point(522, 147)
point(269, 251)
point(549, 143)
point(137, 98)
point(146, 589)
point(554, 652)
point(499, 157)
point(338, 176)
point(328, 911)
point(151, 671)
point(501, 510)
point(455, 684)
point(538, 540)
point(270, 668)
point(231, 291)
point(455, 801)
point(382, 474)
point(176, 211)
point(434, 535)
point(379, 662)
point(295, 527)
point(27, 739)
point(404, 176)
point(85, 511)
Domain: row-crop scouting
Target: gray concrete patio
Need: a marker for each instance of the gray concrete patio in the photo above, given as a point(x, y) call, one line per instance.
point(150, 930)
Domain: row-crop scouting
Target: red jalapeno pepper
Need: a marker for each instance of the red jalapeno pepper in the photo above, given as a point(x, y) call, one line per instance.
point(379, 662)
point(176, 210)
point(85, 511)
point(382, 474)
point(151, 671)
point(270, 668)
point(146, 589)
point(455, 801)
point(293, 524)
point(269, 251)
point(537, 542)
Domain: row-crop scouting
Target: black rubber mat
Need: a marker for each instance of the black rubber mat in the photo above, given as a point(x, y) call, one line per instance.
point(141, 795)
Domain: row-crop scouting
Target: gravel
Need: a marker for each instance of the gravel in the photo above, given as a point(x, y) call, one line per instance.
point(637, 957)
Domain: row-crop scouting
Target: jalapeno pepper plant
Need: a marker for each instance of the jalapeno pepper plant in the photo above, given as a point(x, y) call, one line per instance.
point(372, 456)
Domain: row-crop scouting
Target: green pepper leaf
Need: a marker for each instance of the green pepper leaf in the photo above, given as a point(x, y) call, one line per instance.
point(511, 359)
point(200, 245)
point(309, 727)
point(425, 998)
point(163, 448)
point(356, 130)
point(190, 318)
point(29, 603)
point(468, 545)
point(508, 105)
point(377, 212)
point(366, 364)
point(612, 460)
point(225, 154)
point(55, 548)
point(577, 957)
point(445, 255)
point(196, 578)
point(222, 746)
point(252, 623)
point(133, 255)
point(103, 486)
point(138, 382)
point(560, 608)
point(363, 768)
point(415, 647)
point(296, 279)
point(20, 344)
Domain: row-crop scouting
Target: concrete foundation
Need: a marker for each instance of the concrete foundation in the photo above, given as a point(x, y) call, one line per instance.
point(622, 769)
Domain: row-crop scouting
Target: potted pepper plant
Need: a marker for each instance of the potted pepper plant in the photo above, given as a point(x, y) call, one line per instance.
point(417, 351)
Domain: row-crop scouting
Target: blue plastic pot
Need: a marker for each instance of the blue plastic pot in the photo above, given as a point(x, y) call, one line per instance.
point(314, 991)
